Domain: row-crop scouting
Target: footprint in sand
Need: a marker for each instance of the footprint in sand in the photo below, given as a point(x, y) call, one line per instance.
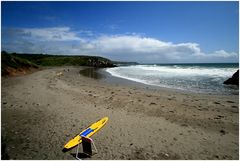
point(223, 132)
point(230, 101)
point(152, 103)
point(217, 103)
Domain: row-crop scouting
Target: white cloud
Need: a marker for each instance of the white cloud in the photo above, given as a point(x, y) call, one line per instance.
point(128, 43)
point(51, 34)
point(130, 47)
point(223, 54)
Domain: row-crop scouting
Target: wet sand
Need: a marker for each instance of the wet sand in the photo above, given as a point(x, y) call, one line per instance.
point(42, 111)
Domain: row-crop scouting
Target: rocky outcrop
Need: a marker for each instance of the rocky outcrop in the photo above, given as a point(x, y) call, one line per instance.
point(234, 80)
point(99, 62)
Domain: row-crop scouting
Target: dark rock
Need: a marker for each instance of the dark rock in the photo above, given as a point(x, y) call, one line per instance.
point(234, 80)
point(99, 62)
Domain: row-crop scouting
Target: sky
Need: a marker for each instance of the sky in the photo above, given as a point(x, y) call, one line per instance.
point(146, 32)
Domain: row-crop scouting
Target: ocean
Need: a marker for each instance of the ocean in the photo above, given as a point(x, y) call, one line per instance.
point(200, 78)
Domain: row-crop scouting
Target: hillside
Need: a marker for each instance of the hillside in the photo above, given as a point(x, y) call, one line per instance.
point(60, 60)
point(13, 65)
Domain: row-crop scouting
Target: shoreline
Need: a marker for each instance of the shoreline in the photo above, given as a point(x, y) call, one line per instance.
point(42, 111)
point(196, 79)
point(106, 77)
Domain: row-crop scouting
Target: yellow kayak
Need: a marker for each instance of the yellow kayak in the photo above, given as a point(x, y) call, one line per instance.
point(88, 132)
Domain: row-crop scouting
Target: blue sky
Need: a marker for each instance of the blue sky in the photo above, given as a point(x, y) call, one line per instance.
point(152, 32)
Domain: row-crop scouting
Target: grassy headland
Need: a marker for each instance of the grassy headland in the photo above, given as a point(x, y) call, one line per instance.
point(12, 63)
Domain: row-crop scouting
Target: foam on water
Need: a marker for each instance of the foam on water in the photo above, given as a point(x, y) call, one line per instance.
point(187, 71)
point(203, 78)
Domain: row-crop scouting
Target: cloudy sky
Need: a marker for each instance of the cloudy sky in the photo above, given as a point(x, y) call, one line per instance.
point(147, 32)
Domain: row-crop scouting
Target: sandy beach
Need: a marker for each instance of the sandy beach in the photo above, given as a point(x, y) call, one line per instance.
point(42, 111)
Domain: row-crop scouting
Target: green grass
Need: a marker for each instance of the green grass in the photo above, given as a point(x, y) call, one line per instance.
point(11, 61)
point(15, 61)
point(56, 60)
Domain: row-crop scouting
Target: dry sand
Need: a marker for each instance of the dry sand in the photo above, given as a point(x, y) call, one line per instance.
point(42, 111)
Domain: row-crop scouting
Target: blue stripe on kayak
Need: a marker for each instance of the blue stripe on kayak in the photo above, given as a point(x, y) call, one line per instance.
point(86, 132)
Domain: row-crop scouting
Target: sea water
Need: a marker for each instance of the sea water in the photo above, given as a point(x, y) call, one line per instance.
point(201, 78)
